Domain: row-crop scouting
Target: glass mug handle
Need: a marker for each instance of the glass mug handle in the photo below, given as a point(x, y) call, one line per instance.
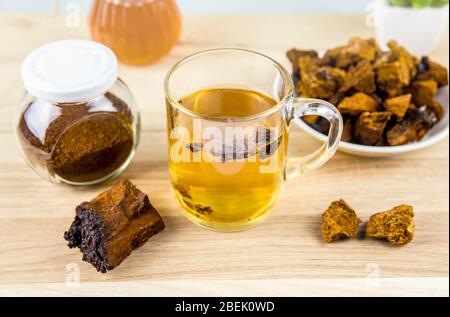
point(304, 107)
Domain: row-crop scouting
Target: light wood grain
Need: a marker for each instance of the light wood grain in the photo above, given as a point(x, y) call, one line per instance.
point(281, 257)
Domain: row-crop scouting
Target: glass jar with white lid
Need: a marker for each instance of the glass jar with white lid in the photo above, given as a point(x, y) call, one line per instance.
point(78, 122)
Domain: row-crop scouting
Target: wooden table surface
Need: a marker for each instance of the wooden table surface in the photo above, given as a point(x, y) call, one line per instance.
point(284, 256)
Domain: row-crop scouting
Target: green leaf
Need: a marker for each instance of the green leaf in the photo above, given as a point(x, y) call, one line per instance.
point(400, 3)
point(418, 3)
point(439, 3)
point(421, 3)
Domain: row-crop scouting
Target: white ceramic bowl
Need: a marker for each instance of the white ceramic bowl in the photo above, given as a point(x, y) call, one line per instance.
point(419, 30)
point(436, 134)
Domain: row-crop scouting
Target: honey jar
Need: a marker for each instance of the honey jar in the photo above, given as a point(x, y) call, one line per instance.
point(138, 31)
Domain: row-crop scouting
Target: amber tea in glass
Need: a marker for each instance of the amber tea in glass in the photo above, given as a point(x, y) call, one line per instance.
point(212, 190)
point(228, 115)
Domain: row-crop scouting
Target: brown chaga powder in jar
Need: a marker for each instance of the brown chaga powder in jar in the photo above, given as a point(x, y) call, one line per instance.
point(78, 142)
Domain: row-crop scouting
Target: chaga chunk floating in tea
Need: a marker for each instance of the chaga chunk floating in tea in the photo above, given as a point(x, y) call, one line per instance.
point(368, 86)
point(339, 221)
point(110, 226)
point(78, 142)
point(262, 142)
point(395, 225)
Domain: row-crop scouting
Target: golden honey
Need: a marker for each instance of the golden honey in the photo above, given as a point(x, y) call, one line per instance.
point(138, 31)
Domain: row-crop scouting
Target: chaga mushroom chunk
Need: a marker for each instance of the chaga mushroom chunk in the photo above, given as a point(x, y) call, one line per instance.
point(294, 55)
point(416, 124)
point(339, 221)
point(423, 92)
point(395, 225)
point(399, 53)
point(110, 226)
point(332, 74)
point(361, 78)
point(317, 81)
point(405, 132)
point(347, 132)
point(438, 109)
point(311, 119)
point(393, 77)
point(429, 70)
point(356, 50)
point(398, 105)
point(357, 104)
point(260, 141)
point(370, 126)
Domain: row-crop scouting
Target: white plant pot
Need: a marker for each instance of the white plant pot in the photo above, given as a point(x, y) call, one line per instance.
point(419, 30)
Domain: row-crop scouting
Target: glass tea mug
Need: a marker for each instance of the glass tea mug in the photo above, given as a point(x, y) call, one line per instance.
point(228, 118)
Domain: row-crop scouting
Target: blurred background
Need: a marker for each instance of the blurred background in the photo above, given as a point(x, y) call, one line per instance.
point(208, 6)
point(418, 24)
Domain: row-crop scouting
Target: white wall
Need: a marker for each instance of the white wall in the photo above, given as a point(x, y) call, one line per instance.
point(212, 6)
point(232, 6)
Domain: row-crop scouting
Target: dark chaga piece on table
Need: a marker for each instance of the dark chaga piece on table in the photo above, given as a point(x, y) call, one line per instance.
point(110, 226)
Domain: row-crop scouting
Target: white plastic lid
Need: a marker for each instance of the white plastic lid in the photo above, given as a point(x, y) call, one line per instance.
point(69, 71)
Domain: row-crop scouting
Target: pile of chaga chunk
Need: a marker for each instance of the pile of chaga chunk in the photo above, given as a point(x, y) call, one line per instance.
point(385, 98)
